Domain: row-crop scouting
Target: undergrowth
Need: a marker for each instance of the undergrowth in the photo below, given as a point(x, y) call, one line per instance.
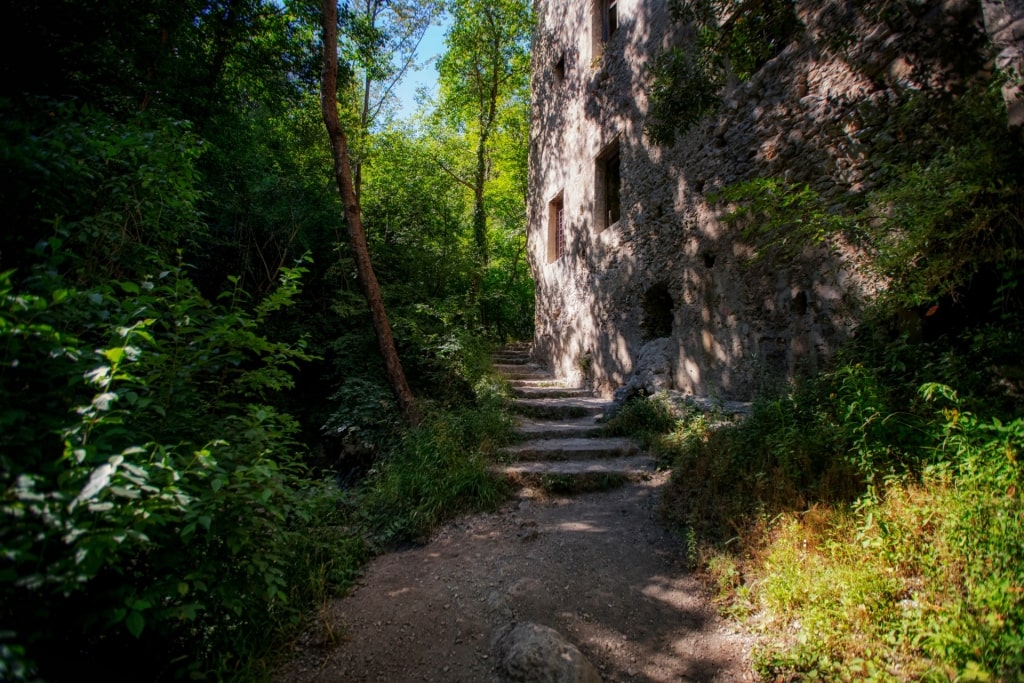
point(645, 420)
point(861, 542)
point(437, 470)
point(867, 522)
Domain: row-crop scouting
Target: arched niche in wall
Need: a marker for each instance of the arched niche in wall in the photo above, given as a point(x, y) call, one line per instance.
point(658, 312)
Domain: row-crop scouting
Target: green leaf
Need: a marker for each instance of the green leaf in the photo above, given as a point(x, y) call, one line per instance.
point(974, 672)
point(135, 623)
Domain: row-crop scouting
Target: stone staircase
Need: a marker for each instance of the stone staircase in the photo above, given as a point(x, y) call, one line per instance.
point(562, 448)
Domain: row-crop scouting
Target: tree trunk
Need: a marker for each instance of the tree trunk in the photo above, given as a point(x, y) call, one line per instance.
point(479, 210)
point(353, 218)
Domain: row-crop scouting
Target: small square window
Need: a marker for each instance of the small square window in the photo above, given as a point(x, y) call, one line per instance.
point(556, 228)
point(559, 69)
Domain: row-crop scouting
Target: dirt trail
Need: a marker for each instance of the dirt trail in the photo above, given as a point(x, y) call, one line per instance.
point(596, 567)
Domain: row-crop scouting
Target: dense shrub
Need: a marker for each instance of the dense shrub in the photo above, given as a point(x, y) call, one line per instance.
point(155, 504)
point(151, 494)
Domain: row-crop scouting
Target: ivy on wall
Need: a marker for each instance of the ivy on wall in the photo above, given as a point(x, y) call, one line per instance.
point(732, 38)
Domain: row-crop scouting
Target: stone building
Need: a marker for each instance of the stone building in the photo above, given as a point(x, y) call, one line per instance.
point(636, 270)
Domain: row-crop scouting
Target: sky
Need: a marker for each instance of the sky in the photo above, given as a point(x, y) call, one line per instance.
point(430, 48)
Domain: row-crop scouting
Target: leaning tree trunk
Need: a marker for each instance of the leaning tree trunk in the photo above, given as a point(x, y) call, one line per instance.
point(353, 218)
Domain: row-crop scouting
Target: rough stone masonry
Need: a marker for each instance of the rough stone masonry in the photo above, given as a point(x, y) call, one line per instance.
point(626, 247)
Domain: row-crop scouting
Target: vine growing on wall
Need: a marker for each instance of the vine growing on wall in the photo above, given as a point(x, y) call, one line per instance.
point(936, 220)
point(732, 38)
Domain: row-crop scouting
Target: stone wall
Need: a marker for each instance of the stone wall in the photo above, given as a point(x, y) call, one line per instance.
point(671, 267)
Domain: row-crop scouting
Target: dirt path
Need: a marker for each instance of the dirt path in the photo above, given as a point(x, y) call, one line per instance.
point(596, 567)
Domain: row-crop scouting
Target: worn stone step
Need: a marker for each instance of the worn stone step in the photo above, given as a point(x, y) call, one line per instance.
point(527, 371)
point(577, 476)
point(529, 391)
point(510, 359)
point(546, 381)
point(560, 408)
point(567, 428)
point(512, 353)
point(571, 449)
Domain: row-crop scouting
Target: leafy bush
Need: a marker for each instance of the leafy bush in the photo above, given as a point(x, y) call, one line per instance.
point(731, 40)
point(922, 583)
point(114, 191)
point(782, 457)
point(645, 418)
point(158, 518)
point(154, 503)
point(441, 468)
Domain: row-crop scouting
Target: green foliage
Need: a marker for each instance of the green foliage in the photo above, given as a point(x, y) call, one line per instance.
point(925, 578)
point(645, 418)
point(782, 457)
point(482, 120)
point(781, 219)
point(441, 468)
point(868, 533)
point(488, 47)
point(947, 219)
point(686, 87)
point(150, 492)
point(363, 412)
point(734, 38)
point(414, 216)
point(113, 191)
point(948, 212)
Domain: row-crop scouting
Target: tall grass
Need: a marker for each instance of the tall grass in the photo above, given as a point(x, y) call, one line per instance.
point(438, 470)
point(858, 553)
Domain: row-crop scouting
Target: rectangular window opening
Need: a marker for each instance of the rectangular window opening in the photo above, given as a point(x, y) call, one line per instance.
point(559, 70)
point(611, 18)
point(608, 187)
point(556, 228)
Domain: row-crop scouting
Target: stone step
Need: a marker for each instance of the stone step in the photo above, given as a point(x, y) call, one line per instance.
point(571, 449)
point(549, 392)
point(517, 352)
point(509, 359)
point(574, 476)
point(513, 352)
point(527, 371)
point(546, 381)
point(569, 428)
point(560, 408)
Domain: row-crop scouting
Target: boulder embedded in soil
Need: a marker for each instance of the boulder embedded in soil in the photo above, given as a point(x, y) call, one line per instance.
point(538, 654)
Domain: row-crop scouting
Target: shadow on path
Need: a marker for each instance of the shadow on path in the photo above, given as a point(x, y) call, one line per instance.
point(595, 567)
